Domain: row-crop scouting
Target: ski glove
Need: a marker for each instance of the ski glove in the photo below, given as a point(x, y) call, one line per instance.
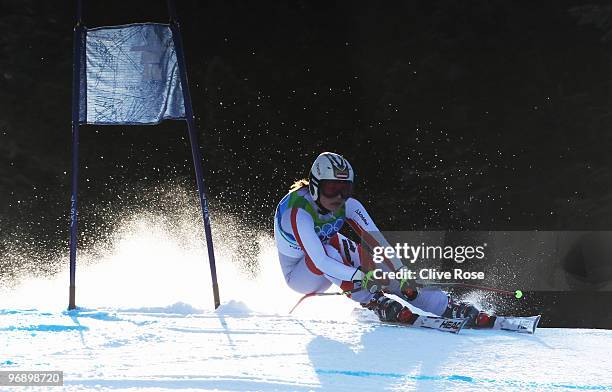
point(368, 281)
point(408, 293)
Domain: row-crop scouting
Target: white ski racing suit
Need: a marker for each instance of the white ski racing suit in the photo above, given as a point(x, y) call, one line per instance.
point(313, 254)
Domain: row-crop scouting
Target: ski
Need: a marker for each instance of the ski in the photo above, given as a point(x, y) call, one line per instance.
point(514, 324)
point(432, 322)
point(439, 323)
point(455, 325)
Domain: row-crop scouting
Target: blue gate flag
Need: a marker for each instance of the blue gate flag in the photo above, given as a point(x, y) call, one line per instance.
point(130, 76)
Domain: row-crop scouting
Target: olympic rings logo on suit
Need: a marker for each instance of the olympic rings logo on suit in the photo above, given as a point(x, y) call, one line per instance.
point(328, 230)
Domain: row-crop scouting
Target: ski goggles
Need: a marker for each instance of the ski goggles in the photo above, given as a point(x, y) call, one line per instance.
point(332, 188)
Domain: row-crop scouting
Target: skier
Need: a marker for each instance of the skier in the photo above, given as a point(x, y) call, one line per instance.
point(314, 255)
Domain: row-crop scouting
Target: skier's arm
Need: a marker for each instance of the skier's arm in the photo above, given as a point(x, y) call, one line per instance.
point(361, 222)
point(302, 226)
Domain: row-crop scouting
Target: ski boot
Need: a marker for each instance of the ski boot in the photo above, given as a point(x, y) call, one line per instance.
point(477, 318)
point(388, 309)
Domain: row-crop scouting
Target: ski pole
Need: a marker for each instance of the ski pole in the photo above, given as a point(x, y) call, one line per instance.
point(315, 294)
point(517, 293)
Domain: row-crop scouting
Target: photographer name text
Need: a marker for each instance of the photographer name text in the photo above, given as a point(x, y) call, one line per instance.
point(429, 274)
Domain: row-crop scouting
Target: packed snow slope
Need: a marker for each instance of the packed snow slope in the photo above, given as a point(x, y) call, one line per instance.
point(233, 349)
point(145, 322)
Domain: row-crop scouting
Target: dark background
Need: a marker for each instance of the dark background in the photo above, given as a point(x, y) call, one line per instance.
point(480, 115)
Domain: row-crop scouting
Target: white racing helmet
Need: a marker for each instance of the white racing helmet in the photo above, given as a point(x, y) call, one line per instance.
point(329, 167)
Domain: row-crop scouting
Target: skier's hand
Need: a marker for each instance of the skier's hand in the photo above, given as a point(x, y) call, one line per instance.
point(409, 289)
point(368, 281)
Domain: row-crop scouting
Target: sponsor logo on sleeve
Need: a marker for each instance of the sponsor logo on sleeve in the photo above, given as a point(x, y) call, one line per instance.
point(363, 218)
